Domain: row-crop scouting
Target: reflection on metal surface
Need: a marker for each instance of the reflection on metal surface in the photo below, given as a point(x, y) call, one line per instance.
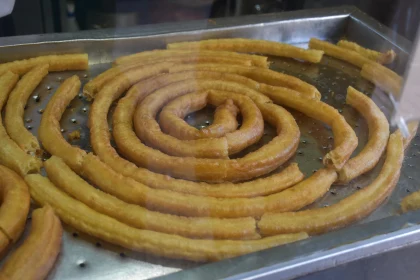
point(83, 257)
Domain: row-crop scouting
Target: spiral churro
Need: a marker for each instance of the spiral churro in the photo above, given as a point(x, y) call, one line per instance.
point(171, 119)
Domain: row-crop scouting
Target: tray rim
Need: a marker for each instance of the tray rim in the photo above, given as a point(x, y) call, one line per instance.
point(372, 238)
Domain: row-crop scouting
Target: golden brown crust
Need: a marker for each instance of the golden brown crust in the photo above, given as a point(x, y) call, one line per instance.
point(251, 46)
point(15, 109)
point(378, 137)
point(84, 219)
point(15, 206)
point(348, 210)
point(346, 55)
point(62, 176)
point(62, 62)
point(382, 77)
point(49, 131)
point(34, 259)
point(258, 75)
point(11, 155)
point(380, 57)
point(147, 56)
point(131, 191)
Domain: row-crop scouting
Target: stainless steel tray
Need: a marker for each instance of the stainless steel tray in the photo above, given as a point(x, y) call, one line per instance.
point(83, 257)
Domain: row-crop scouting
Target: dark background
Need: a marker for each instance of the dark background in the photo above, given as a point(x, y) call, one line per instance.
point(48, 16)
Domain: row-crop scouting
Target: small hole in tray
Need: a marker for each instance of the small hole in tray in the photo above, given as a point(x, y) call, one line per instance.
point(75, 234)
point(82, 264)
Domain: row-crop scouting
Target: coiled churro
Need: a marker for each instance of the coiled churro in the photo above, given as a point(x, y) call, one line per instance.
point(250, 166)
point(171, 119)
point(148, 129)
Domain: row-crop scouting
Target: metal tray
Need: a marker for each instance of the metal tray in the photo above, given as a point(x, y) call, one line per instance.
point(84, 257)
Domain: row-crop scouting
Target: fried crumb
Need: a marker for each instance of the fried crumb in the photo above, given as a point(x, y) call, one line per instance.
point(74, 135)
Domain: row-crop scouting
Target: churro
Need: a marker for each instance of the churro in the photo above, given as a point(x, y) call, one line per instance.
point(34, 259)
point(148, 129)
point(171, 120)
point(87, 220)
point(11, 155)
point(378, 136)
point(259, 75)
point(211, 170)
point(386, 57)
point(348, 210)
point(68, 181)
point(56, 63)
point(154, 55)
point(346, 55)
point(382, 77)
point(15, 108)
point(49, 130)
point(251, 46)
point(15, 203)
point(131, 191)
